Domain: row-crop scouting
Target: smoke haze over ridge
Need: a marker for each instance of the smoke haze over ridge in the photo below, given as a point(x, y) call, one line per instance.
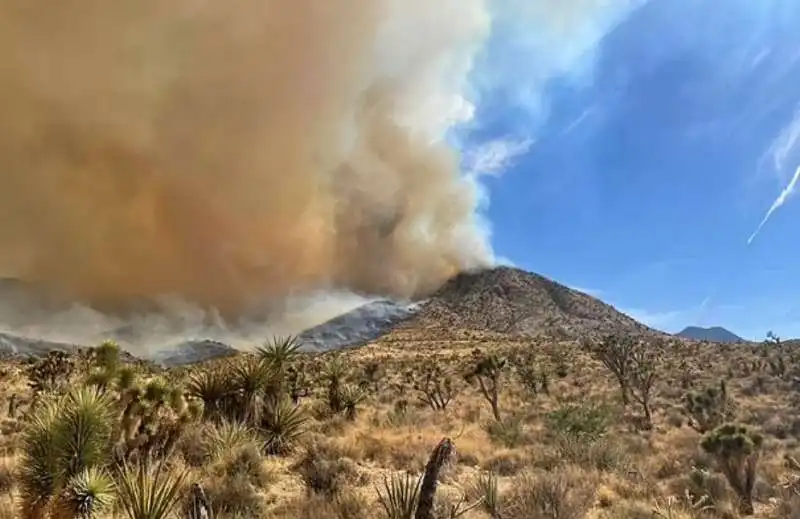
point(224, 152)
point(236, 154)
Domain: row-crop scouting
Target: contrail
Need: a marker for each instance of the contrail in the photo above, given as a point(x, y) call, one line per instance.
point(782, 198)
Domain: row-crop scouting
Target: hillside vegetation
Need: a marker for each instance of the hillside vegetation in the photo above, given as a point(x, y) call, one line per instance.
point(509, 428)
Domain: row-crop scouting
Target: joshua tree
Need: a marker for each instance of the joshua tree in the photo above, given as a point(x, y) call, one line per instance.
point(642, 380)
point(616, 354)
point(709, 408)
point(532, 376)
point(488, 373)
point(436, 388)
point(736, 451)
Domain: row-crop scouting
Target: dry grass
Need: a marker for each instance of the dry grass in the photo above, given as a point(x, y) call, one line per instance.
point(542, 472)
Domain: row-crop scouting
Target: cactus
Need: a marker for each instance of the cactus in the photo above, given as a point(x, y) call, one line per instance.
point(736, 450)
point(709, 408)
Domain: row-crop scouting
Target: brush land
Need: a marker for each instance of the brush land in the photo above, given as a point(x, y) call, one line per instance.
point(539, 427)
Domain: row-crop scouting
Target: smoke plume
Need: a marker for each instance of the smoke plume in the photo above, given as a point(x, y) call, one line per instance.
point(234, 152)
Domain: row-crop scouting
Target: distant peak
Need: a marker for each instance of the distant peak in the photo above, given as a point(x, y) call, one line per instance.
point(712, 333)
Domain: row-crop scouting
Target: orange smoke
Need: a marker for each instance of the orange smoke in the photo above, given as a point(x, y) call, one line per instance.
point(226, 152)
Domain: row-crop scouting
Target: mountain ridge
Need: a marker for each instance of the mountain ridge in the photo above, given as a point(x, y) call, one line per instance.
point(501, 300)
point(711, 334)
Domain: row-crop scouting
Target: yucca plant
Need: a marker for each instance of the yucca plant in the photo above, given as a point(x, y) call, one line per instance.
point(282, 423)
point(399, 496)
point(66, 436)
point(214, 388)
point(485, 490)
point(149, 492)
point(86, 495)
point(351, 396)
point(225, 436)
point(40, 462)
point(252, 379)
point(279, 352)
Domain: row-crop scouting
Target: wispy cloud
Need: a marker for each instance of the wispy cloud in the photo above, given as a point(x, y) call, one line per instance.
point(495, 156)
point(785, 145)
point(530, 44)
point(787, 192)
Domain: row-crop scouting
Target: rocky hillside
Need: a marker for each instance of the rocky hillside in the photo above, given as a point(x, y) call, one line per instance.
point(499, 302)
point(513, 301)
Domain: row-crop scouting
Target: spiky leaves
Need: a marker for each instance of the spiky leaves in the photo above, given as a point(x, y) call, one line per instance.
point(213, 386)
point(147, 492)
point(107, 360)
point(282, 423)
point(352, 396)
point(65, 437)
point(88, 494)
point(399, 496)
point(253, 379)
point(736, 450)
point(40, 462)
point(279, 352)
point(226, 436)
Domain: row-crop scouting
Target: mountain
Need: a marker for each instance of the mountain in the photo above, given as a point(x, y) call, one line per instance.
point(192, 352)
point(358, 326)
point(501, 300)
point(513, 301)
point(713, 334)
point(16, 346)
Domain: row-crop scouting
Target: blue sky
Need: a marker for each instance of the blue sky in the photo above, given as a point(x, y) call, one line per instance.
point(648, 144)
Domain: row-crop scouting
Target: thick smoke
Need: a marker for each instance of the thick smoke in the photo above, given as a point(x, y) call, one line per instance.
point(231, 153)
